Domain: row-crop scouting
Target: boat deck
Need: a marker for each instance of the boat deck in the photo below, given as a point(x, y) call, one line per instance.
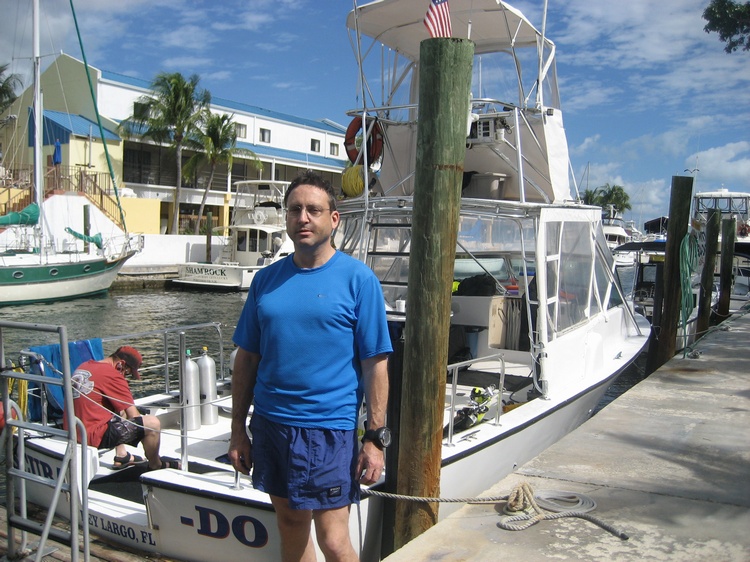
point(666, 463)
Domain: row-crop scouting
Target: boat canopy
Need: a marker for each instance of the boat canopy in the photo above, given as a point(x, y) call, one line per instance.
point(29, 215)
point(491, 24)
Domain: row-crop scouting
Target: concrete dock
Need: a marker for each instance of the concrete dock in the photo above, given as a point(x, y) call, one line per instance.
point(667, 463)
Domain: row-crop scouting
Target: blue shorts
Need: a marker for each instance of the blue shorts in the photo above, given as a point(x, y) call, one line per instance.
point(312, 468)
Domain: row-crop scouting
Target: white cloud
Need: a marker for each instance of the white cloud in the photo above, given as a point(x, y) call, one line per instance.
point(727, 165)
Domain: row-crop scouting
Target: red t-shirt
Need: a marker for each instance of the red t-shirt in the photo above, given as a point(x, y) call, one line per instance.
point(99, 390)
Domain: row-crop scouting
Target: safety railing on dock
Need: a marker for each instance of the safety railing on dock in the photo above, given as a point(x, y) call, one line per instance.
point(18, 473)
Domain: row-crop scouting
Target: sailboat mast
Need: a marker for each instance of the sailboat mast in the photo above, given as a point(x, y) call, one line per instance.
point(38, 131)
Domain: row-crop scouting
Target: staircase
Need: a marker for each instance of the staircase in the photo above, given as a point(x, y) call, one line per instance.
point(17, 190)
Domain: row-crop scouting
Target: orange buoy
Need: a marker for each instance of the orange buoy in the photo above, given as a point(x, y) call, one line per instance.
point(374, 140)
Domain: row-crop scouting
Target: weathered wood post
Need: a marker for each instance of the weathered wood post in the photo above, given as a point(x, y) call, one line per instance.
point(728, 238)
point(707, 276)
point(679, 216)
point(86, 226)
point(444, 87)
point(209, 230)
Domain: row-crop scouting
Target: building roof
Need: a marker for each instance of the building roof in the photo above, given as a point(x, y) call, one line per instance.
point(59, 126)
point(325, 125)
point(263, 150)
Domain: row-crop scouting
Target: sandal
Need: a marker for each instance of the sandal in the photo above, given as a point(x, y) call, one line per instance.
point(166, 462)
point(127, 460)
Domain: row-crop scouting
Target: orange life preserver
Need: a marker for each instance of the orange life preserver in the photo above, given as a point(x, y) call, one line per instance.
point(374, 141)
point(2, 416)
point(742, 230)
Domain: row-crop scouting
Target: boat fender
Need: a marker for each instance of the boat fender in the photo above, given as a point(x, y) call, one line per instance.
point(207, 376)
point(374, 140)
point(191, 399)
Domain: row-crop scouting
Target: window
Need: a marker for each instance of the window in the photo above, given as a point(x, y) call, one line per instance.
point(334, 149)
point(241, 130)
point(140, 110)
point(315, 145)
point(265, 135)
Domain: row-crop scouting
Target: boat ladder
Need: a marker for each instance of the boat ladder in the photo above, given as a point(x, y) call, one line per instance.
point(19, 471)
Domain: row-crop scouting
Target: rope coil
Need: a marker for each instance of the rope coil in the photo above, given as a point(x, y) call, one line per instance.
point(523, 502)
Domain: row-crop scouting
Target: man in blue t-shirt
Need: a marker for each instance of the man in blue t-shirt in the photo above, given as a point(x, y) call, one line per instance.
point(313, 339)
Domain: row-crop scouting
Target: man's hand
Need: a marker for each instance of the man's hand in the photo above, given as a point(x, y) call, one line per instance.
point(370, 463)
point(241, 453)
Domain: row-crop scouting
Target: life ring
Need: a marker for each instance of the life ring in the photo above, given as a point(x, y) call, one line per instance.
point(743, 230)
point(374, 141)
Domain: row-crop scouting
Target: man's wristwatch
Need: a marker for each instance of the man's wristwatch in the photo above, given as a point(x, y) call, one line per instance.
point(381, 437)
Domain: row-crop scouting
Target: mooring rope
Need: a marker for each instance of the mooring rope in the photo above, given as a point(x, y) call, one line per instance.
point(521, 500)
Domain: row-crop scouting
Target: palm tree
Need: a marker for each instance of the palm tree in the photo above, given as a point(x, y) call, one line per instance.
point(170, 115)
point(215, 144)
point(592, 197)
point(8, 86)
point(616, 196)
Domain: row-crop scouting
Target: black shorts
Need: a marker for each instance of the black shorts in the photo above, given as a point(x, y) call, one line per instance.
point(123, 432)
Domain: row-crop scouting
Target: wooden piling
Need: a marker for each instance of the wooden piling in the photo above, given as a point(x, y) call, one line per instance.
point(728, 237)
point(209, 231)
point(707, 276)
point(444, 87)
point(679, 216)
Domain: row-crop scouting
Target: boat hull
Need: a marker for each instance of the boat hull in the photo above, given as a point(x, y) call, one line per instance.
point(224, 277)
point(27, 283)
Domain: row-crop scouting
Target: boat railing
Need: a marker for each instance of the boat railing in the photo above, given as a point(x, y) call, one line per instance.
point(19, 471)
point(502, 126)
point(165, 335)
point(454, 369)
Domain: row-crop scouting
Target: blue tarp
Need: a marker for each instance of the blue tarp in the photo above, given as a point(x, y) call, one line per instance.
point(79, 352)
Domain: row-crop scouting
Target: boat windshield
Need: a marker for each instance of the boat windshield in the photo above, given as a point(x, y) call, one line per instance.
point(486, 246)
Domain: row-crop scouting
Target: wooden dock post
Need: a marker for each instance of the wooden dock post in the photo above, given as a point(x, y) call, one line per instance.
point(444, 88)
point(728, 238)
point(707, 275)
point(679, 216)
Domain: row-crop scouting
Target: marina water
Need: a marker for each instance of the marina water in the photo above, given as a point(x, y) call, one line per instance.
point(136, 311)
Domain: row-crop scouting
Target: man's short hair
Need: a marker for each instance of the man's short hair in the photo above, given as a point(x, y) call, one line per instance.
point(309, 177)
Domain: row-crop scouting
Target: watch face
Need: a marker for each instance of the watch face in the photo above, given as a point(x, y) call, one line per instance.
point(385, 437)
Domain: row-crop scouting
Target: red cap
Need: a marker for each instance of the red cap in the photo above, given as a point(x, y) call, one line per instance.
point(132, 357)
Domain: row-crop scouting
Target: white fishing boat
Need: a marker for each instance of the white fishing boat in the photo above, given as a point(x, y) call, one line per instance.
point(540, 326)
point(731, 204)
point(616, 235)
point(257, 237)
point(46, 254)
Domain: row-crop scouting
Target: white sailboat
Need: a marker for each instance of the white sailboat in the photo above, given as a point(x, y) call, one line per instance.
point(535, 352)
point(39, 262)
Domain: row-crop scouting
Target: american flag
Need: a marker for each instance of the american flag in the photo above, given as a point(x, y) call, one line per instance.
point(438, 19)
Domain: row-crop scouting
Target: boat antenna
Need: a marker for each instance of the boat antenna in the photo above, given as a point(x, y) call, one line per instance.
point(539, 95)
point(99, 119)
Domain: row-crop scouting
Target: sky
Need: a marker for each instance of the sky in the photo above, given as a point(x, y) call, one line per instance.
point(646, 93)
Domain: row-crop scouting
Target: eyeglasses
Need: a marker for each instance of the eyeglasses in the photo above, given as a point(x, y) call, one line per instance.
point(311, 210)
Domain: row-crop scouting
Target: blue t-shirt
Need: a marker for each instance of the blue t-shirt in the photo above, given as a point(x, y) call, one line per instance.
point(312, 327)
